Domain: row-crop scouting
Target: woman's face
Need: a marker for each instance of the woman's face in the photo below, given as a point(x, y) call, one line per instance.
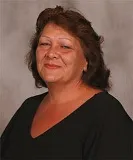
point(56, 46)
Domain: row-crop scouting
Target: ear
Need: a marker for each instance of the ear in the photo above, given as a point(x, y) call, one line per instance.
point(85, 67)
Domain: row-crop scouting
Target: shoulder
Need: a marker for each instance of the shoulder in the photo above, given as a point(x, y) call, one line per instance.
point(106, 99)
point(110, 103)
point(108, 108)
point(27, 107)
point(114, 116)
point(114, 128)
point(35, 98)
point(32, 101)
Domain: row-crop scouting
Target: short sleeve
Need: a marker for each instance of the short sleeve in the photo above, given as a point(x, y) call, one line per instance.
point(114, 138)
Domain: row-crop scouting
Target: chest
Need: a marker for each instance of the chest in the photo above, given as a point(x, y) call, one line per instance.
point(48, 116)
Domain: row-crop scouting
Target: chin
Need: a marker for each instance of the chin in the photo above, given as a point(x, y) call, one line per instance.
point(51, 79)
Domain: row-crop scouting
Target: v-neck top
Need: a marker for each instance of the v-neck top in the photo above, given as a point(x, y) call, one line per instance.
point(100, 129)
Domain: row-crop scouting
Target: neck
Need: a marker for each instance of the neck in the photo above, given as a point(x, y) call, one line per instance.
point(58, 94)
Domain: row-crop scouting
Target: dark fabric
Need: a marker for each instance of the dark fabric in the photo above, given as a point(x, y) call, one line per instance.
point(99, 129)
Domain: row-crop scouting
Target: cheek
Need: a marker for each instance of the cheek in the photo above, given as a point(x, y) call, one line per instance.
point(75, 63)
point(69, 65)
point(39, 59)
point(68, 59)
point(81, 60)
point(40, 54)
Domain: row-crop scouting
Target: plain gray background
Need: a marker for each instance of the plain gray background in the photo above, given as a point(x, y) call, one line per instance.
point(111, 18)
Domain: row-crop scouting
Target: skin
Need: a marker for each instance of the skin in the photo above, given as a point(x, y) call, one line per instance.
point(61, 48)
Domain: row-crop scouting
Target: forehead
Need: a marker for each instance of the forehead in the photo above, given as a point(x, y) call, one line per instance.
point(52, 30)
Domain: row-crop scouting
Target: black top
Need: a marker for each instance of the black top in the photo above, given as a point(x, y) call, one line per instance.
point(99, 129)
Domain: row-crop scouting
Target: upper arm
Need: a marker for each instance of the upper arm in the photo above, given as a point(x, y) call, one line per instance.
point(5, 137)
point(115, 137)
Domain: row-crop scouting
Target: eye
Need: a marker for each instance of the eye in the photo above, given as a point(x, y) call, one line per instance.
point(65, 47)
point(44, 44)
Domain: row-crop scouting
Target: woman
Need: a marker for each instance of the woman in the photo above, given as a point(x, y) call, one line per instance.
point(77, 118)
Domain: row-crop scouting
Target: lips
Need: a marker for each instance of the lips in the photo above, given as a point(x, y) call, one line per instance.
point(51, 66)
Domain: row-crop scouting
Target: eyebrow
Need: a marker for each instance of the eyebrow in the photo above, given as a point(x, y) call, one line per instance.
point(45, 36)
point(59, 37)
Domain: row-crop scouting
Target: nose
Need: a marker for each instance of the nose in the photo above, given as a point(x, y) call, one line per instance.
point(52, 52)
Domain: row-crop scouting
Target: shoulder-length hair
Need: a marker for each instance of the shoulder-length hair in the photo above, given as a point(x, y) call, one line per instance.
point(97, 74)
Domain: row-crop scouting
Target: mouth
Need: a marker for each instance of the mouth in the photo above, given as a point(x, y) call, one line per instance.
point(51, 66)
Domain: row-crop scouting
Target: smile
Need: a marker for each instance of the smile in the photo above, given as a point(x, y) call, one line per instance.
point(50, 66)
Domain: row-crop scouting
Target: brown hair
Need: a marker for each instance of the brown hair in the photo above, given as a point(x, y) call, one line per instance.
point(97, 74)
